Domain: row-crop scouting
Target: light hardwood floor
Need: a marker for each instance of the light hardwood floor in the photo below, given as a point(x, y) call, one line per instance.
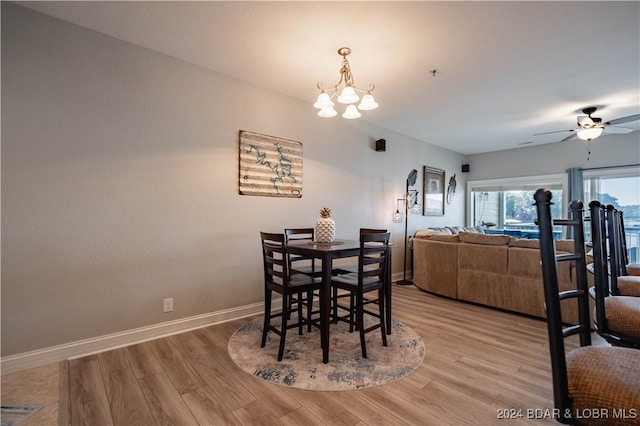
point(479, 363)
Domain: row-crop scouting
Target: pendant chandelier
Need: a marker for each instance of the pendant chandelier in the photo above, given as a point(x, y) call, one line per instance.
point(345, 90)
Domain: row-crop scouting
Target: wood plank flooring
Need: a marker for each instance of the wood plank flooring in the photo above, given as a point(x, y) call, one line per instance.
point(479, 362)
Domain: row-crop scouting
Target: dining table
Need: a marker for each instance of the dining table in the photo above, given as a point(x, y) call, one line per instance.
point(327, 252)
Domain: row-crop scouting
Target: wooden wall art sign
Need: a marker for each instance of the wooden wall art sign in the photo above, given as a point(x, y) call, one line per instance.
point(270, 166)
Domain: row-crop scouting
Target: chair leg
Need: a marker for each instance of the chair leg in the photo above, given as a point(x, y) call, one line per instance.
point(335, 305)
point(309, 309)
point(352, 319)
point(300, 322)
point(283, 327)
point(381, 312)
point(360, 323)
point(267, 316)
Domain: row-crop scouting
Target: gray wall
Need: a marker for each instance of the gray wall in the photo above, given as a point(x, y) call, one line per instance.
point(120, 183)
point(606, 151)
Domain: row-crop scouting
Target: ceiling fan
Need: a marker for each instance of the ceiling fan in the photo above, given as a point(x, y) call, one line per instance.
point(591, 127)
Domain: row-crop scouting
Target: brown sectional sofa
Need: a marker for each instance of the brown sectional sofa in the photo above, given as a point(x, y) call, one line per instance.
point(494, 270)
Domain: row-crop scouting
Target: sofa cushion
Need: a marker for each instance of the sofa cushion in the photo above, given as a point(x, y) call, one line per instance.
point(455, 229)
point(426, 233)
point(476, 229)
point(444, 238)
point(490, 240)
point(524, 243)
point(443, 230)
point(447, 230)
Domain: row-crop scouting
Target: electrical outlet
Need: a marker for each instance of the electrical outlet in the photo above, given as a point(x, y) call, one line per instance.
point(168, 305)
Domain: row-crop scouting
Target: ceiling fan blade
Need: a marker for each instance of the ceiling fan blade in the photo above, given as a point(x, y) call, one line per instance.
point(615, 130)
point(557, 131)
point(623, 120)
point(573, 135)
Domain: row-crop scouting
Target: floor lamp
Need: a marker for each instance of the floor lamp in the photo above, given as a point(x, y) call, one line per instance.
point(409, 195)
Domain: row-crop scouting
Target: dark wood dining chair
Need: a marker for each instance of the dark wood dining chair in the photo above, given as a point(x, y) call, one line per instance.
point(348, 269)
point(296, 289)
point(337, 296)
point(632, 269)
point(621, 283)
point(301, 264)
point(366, 287)
point(588, 378)
point(617, 318)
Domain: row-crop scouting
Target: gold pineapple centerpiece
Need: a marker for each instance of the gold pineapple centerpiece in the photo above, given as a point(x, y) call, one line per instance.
point(325, 231)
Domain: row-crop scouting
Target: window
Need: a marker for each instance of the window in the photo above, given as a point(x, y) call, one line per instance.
point(505, 206)
point(619, 187)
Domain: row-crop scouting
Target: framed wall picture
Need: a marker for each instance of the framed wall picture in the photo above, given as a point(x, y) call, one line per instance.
point(433, 192)
point(270, 166)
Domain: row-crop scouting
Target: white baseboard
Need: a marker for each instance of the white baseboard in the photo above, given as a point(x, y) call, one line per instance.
point(14, 363)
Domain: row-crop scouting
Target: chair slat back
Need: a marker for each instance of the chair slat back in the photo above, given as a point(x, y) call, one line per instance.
point(600, 261)
point(373, 248)
point(299, 234)
point(372, 231)
point(604, 227)
point(617, 248)
point(274, 258)
point(372, 262)
point(623, 241)
point(553, 296)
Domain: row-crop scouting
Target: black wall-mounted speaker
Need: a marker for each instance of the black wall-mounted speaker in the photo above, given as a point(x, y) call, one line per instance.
point(381, 145)
point(465, 168)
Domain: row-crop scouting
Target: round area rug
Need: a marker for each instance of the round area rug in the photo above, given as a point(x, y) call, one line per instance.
point(302, 367)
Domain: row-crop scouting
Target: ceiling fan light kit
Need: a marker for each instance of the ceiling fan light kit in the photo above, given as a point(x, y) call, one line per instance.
point(346, 93)
point(590, 128)
point(590, 133)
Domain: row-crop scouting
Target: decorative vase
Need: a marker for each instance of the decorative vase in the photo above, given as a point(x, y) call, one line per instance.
point(325, 230)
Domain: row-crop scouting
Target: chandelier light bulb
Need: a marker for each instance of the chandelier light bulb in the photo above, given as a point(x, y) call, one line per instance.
point(351, 112)
point(348, 96)
point(328, 112)
point(368, 103)
point(323, 101)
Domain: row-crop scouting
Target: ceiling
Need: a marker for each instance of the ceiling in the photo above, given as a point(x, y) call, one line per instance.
point(505, 70)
